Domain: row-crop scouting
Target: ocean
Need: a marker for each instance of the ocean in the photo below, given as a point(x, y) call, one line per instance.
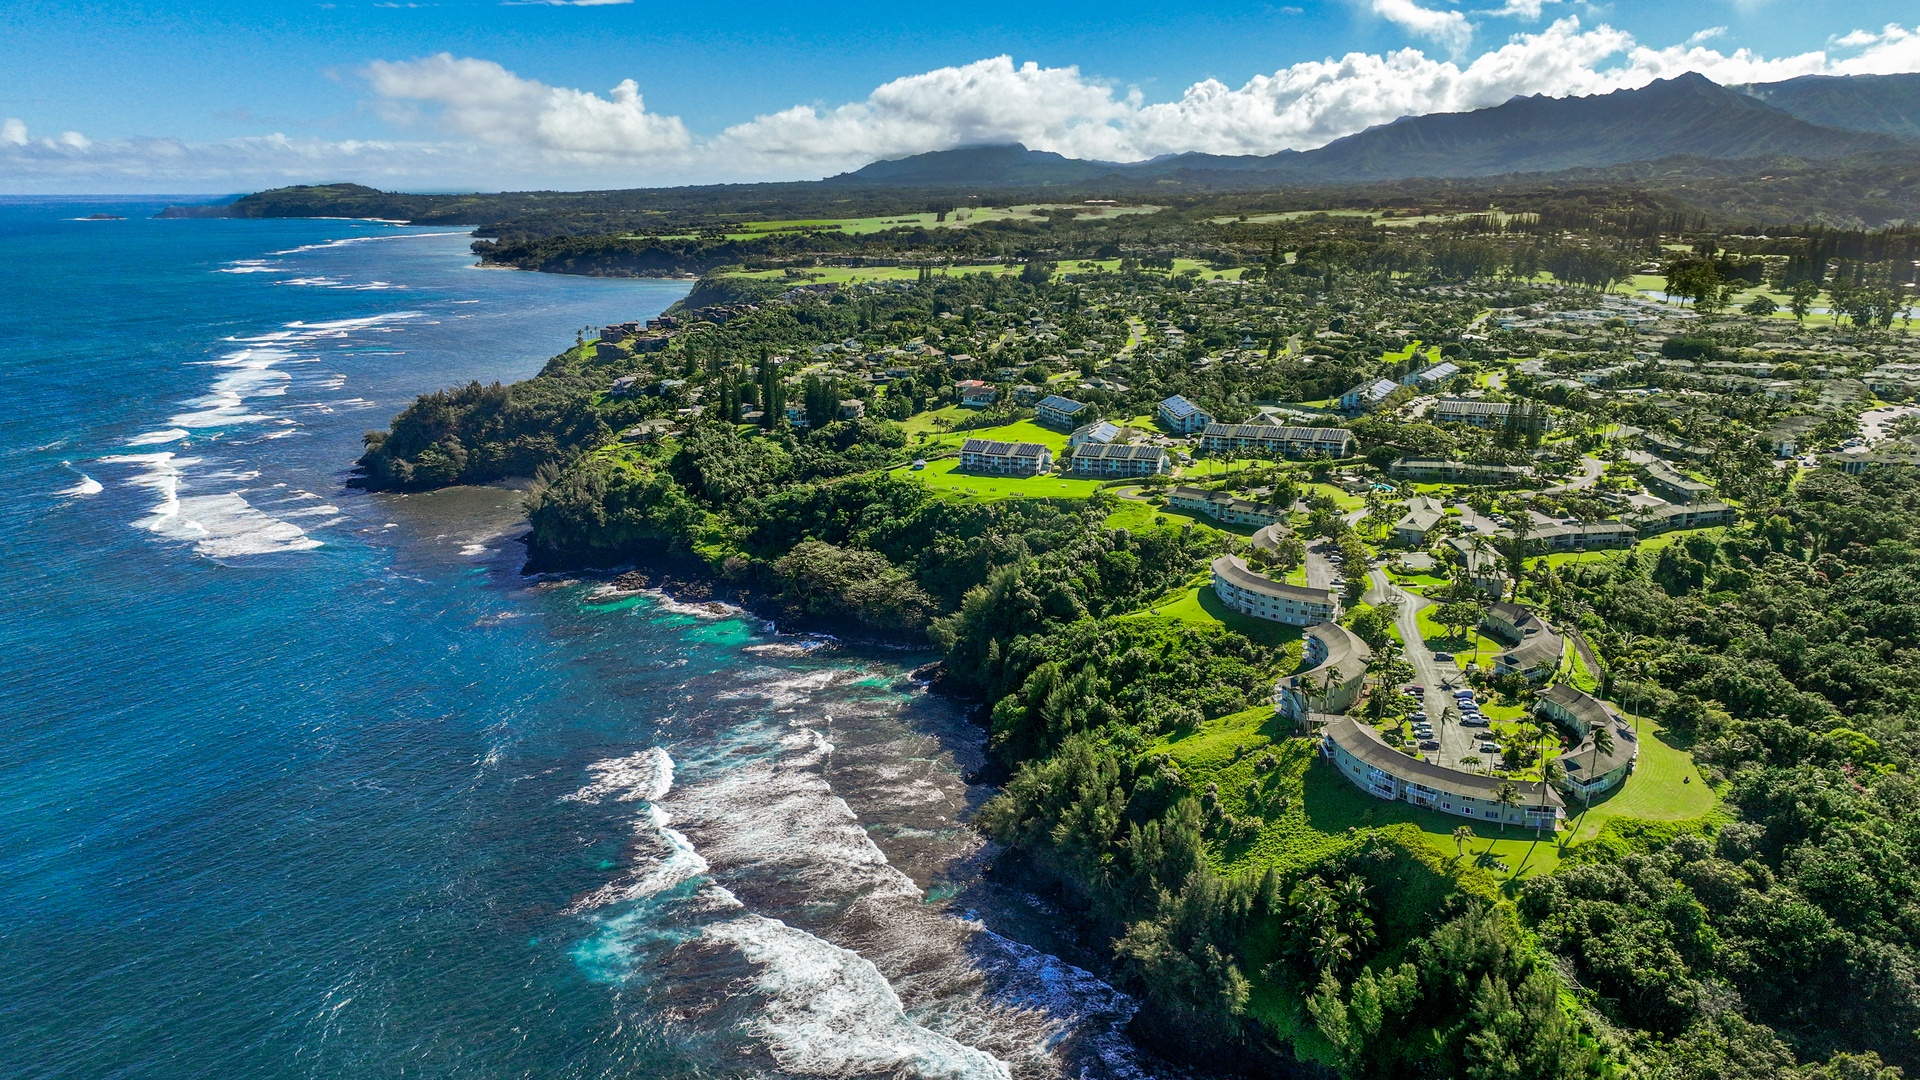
point(298, 781)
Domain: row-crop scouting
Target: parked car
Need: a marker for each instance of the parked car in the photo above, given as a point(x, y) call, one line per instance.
point(1429, 744)
point(1489, 748)
point(1416, 688)
point(1418, 718)
point(1443, 656)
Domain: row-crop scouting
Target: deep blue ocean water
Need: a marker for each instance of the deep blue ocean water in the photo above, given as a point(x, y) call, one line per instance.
point(299, 781)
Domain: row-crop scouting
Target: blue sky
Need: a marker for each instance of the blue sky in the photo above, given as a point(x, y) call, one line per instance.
point(464, 93)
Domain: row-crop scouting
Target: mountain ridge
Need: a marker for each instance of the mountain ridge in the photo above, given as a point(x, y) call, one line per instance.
point(1685, 115)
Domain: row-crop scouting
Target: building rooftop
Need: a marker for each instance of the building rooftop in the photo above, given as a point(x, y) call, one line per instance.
point(1238, 574)
point(1364, 743)
point(1268, 537)
point(1179, 408)
point(1060, 404)
point(1117, 452)
point(1344, 651)
point(995, 448)
point(1291, 434)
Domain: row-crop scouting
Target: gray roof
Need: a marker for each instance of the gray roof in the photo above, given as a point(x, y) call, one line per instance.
point(995, 448)
point(1117, 452)
point(1279, 434)
point(1238, 573)
point(1179, 408)
point(1345, 652)
point(1585, 760)
point(1268, 537)
point(1471, 408)
point(1060, 404)
point(1538, 646)
point(1364, 743)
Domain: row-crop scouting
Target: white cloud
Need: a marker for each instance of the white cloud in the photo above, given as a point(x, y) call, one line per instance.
point(987, 101)
point(1519, 9)
point(1449, 28)
point(562, 3)
point(483, 101)
point(484, 127)
point(1893, 49)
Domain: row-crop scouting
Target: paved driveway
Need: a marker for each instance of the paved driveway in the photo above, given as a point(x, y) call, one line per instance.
point(1436, 675)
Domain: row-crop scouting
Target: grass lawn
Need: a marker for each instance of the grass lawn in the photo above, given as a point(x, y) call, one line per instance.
point(1569, 558)
point(1017, 431)
point(1717, 532)
point(1418, 580)
point(1665, 786)
point(1199, 606)
point(943, 479)
point(1340, 498)
point(1476, 647)
point(1138, 516)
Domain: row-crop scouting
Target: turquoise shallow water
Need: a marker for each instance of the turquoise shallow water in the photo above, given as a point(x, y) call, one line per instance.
point(298, 781)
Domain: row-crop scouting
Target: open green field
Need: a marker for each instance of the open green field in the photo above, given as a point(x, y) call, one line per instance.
point(846, 275)
point(1017, 431)
point(1137, 515)
point(943, 477)
point(960, 218)
point(1199, 606)
point(1665, 786)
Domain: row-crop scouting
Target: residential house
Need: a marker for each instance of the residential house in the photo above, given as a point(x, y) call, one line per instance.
point(1253, 593)
point(1333, 679)
point(1182, 416)
point(1099, 432)
point(1223, 507)
point(1295, 442)
point(1366, 760)
point(1005, 458)
point(852, 409)
point(1413, 527)
point(1108, 460)
point(1367, 396)
point(1059, 412)
point(975, 394)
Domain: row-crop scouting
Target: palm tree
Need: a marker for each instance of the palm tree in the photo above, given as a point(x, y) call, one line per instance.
point(1461, 836)
point(1507, 796)
point(1550, 771)
point(1331, 948)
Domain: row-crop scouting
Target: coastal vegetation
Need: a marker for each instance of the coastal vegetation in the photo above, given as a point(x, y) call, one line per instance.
point(1747, 905)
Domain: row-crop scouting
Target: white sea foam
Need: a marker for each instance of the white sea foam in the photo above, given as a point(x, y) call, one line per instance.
point(645, 776)
point(218, 526)
point(87, 486)
point(326, 244)
point(157, 438)
point(249, 266)
point(829, 1012)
